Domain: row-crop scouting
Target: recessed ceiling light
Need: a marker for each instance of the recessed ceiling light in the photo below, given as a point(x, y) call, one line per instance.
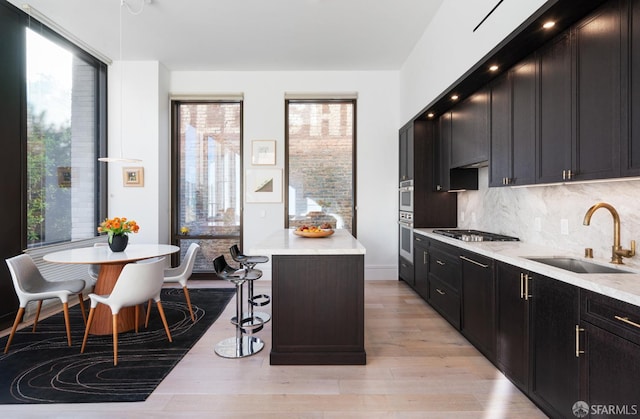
point(454, 97)
point(430, 115)
point(548, 25)
point(494, 68)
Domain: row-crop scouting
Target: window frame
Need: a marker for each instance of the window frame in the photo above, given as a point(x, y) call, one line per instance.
point(174, 228)
point(13, 129)
point(354, 155)
point(100, 114)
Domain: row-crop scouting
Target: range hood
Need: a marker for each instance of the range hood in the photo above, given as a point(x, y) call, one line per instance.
point(463, 179)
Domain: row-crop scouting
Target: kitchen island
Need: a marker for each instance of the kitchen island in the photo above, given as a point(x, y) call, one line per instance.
point(317, 298)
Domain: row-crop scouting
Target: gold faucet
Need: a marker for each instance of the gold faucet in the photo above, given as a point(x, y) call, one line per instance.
point(617, 252)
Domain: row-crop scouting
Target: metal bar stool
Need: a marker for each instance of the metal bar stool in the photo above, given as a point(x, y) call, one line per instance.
point(241, 345)
point(261, 300)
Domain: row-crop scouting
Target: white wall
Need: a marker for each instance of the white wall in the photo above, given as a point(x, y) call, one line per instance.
point(138, 115)
point(449, 47)
point(377, 146)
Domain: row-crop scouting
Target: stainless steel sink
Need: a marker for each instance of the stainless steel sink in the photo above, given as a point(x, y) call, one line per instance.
point(577, 265)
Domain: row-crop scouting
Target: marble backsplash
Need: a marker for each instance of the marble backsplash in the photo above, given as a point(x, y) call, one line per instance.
point(537, 214)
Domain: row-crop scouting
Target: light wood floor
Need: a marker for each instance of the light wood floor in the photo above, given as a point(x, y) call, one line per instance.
point(418, 366)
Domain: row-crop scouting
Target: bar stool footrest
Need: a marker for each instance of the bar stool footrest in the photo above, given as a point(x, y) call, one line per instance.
point(260, 300)
point(249, 324)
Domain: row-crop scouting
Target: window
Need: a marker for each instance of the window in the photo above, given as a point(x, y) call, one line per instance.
point(321, 163)
point(63, 99)
point(207, 141)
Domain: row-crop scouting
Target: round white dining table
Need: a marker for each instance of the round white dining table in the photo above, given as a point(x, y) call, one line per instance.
point(111, 264)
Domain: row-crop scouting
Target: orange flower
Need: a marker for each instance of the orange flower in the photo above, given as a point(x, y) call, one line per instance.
point(118, 225)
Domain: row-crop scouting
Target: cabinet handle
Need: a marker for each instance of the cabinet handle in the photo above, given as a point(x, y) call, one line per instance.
point(474, 262)
point(425, 255)
point(578, 351)
point(521, 285)
point(569, 174)
point(440, 292)
point(439, 262)
point(564, 175)
point(524, 286)
point(627, 321)
point(418, 239)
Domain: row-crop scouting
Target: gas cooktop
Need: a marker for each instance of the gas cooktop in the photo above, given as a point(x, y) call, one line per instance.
point(475, 236)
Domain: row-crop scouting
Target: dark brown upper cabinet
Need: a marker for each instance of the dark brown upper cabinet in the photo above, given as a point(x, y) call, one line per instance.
point(580, 95)
point(513, 126)
point(597, 59)
point(442, 181)
point(470, 130)
point(419, 153)
point(630, 156)
point(445, 177)
point(406, 153)
point(500, 145)
point(553, 149)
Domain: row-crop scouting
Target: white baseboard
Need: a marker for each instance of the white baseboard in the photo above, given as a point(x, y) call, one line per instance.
point(380, 272)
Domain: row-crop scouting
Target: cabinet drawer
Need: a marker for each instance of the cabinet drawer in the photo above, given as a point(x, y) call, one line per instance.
point(405, 271)
point(445, 300)
point(613, 315)
point(445, 268)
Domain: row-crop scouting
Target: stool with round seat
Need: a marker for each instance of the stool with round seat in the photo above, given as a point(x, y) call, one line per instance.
point(243, 344)
point(261, 300)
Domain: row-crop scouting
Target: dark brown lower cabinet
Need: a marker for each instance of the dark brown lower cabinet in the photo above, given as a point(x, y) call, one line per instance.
point(557, 343)
point(512, 325)
point(421, 266)
point(406, 271)
point(610, 371)
point(478, 302)
point(555, 314)
point(318, 310)
point(609, 355)
point(445, 281)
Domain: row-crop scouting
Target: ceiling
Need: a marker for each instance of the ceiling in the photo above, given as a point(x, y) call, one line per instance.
point(260, 35)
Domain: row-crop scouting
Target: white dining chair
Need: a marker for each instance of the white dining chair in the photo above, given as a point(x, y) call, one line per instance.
point(30, 285)
point(181, 275)
point(94, 270)
point(137, 283)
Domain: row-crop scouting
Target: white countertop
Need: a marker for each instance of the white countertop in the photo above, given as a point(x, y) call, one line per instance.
point(284, 242)
point(624, 287)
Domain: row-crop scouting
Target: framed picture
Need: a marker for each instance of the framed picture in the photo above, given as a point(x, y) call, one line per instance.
point(263, 152)
point(133, 176)
point(263, 185)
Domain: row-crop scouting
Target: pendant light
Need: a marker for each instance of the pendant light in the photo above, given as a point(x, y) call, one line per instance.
point(121, 159)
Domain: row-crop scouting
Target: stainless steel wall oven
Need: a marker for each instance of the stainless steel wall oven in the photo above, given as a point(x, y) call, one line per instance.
point(405, 239)
point(405, 191)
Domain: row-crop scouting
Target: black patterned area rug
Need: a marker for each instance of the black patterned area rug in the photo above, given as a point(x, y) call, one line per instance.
point(41, 368)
